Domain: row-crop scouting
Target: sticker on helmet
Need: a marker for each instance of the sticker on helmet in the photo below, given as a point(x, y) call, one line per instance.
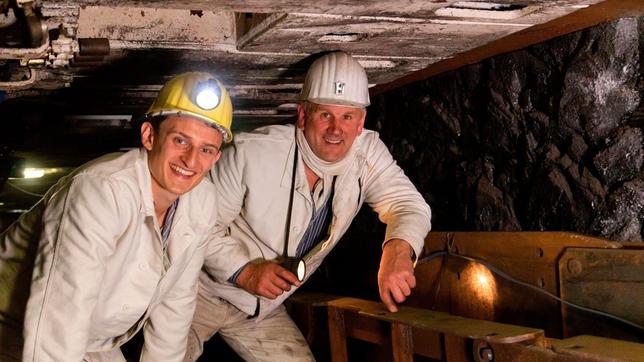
point(339, 87)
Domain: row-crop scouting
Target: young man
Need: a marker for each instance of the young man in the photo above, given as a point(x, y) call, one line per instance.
point(117, 245)
point(291, 192)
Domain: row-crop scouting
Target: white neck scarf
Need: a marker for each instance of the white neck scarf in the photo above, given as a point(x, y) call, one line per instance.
point(322, 168)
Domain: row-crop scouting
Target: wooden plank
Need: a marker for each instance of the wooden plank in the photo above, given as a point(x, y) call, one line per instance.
point(607, 280)
point(576, 349)
point(527, 353)
point(464, 288)
point(337, 335)
point(402, 342)
point(416, 8)
point(512, 251)
point(578, 20)
point(373, 36)
point(456, 348)
point(439, 321)
point(598, 348)
point(428, 343)
point(455, 338)
point(366, 329)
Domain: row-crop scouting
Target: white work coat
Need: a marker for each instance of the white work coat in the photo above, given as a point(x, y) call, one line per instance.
point(253, 181)
point(98, 276)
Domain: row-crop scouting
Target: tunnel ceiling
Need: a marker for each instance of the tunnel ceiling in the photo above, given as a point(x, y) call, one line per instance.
point(259, 49)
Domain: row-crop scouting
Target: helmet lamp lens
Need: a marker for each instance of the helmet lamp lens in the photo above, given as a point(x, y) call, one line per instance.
point(208, 95)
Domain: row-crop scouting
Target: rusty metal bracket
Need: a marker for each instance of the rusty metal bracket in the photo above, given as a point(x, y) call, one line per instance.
point(21, 84)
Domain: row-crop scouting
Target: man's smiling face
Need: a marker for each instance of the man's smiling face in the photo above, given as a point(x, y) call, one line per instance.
point(180, 153)
point(330, 129)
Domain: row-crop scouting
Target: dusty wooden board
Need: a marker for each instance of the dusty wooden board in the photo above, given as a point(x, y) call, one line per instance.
point(443, 339)
point(610, 281)
point(576, 349)
point(441, 322)
point(470, 289)
point(437, 39)
point(582, 18)
point(598, 348)
point(402, 342)
point(418, 8)
point(528, 256)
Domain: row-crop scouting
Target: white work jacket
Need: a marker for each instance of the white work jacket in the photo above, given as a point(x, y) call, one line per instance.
point(253, 181)
point(98, 275)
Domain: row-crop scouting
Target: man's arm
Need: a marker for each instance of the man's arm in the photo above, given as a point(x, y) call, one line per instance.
point(228, 259)
point(399, 205)
point(166, 331)
point(226, 255)
point(396, 274)
point(266, 279)
point(80, 227)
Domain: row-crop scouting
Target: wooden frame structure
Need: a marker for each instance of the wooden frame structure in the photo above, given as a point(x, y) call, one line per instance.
point(461, 311)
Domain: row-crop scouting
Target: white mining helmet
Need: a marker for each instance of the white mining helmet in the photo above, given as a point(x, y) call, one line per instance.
point(337, 79)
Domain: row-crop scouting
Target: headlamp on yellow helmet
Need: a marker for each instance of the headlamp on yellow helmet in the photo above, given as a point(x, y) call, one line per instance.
point(199, 95)
point(207, 95)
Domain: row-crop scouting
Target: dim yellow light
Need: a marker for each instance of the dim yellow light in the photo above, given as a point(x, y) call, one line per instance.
point(37, 172)
point(481, 283)
point(484, 282)
point(33, 172)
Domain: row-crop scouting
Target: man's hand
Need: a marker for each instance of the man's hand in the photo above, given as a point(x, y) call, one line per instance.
point(396, 275)
point(266, 279)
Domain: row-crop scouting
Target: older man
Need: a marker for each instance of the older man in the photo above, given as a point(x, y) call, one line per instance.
point(288, 194)
point(117, 245)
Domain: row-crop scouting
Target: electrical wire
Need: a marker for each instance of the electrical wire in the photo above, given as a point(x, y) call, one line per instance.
point(502, 274)
point(23, 190)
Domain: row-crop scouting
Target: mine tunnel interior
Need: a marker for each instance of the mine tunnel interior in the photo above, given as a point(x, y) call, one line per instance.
point(548, 138)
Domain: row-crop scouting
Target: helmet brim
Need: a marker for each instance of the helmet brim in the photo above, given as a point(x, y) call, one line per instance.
point(225, 132)
point(337, 102)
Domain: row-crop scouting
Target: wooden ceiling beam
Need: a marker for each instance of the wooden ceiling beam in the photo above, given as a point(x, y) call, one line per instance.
point(578, 20)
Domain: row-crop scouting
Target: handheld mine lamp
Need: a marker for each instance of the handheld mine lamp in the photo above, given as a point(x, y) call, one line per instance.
point(297, 266)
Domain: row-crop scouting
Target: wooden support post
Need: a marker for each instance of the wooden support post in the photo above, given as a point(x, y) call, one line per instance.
point(456, 348)
point(337, 335)
point(402, 342)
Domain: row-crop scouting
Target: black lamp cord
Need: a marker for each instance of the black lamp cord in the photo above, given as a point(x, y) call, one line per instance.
point(287, 226)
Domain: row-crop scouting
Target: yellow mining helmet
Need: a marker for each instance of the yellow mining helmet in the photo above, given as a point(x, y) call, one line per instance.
point(199, 95)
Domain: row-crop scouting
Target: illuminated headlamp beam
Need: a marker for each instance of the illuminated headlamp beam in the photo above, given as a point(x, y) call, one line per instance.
point(37, 172)
point(207, 94)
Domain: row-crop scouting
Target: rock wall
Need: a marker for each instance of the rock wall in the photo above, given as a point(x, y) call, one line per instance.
point(547, 138)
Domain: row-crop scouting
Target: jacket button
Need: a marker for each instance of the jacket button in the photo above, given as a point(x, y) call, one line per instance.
point(124, 307)
point(141, 266)
point(295, 228)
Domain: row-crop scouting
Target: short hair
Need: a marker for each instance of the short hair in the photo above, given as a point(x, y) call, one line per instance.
point(156, 121)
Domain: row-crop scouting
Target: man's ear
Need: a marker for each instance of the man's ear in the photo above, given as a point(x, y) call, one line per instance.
point(361, 124)
point(301, 114)
point(147, 135)
point(217, 157)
